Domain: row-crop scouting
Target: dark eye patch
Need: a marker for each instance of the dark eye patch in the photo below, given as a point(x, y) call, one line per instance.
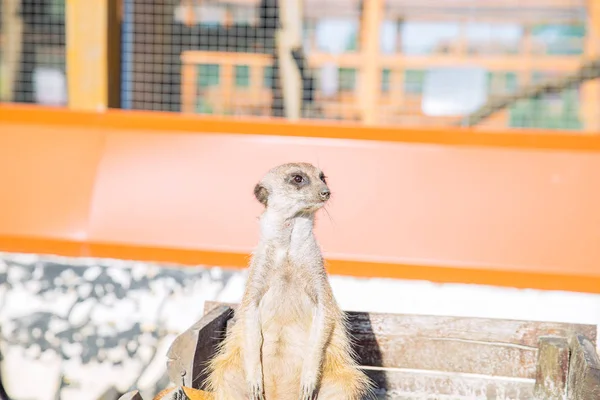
point(298, 179)
point(323, 178)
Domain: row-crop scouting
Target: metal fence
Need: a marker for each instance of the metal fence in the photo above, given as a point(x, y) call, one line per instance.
point(377, 62)
point(32, 51)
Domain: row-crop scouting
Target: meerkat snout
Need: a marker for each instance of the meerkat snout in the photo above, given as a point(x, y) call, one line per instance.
point(325, 194)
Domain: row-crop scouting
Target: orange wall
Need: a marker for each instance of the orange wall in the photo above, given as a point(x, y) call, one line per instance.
point(517, 209)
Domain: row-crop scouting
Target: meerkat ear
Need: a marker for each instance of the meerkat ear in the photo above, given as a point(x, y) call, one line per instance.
point(261, 194)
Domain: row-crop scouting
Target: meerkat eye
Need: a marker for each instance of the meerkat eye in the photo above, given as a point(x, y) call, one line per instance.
point(323, 178)
point(298, 178)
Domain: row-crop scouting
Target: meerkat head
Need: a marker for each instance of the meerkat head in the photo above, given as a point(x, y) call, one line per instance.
point(293, 188)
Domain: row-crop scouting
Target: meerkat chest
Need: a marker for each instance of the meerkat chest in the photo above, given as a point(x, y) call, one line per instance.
point(280, 307)
point(289, 299)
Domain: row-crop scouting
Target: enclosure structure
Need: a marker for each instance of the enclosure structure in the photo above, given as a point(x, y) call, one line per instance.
point(386, 49)
point(115, 154)
point(370, 62)
point(441, 205)
point(453, 209)
point(417, 356)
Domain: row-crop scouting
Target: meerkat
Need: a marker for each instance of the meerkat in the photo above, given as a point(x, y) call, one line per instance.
point(290, 338)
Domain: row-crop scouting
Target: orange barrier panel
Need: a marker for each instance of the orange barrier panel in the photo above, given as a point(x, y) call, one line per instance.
point(499, 213)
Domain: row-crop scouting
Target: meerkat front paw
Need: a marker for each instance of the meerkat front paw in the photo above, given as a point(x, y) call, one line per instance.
point(308, 387)
point(308, 393)
point(256, 391)
point(255, 386)
point(254, 378)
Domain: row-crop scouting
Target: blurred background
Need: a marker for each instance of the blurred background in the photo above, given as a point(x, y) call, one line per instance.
point(460, 137)
point(372, 62)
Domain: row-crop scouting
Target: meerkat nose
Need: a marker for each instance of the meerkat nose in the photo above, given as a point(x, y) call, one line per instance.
point(325, 193)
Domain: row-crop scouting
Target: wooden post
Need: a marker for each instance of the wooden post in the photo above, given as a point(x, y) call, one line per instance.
point(397, 89)
point(11, 48)
point(189, 12)
point(190, 351)
point(397, 81)
point(227, 87)
point(188, 86)
point(590, 91)
point(524, 75)
point(228, 23)
point(88, 60)
point(370, 73)
point(584, 370)
point(256, 83)
point(552, 368)
point(289, 37)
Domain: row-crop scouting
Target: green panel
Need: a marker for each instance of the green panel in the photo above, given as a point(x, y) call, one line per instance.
point(548, 112)
point(509, 80)
point(242, 76)
point(512, 82)
point(268, 77)
point(385, 80)
point(414, 79)
point(209, 75)
point(57, 9)
point(352, 42)
point(557, 38)
point(347, 79)
point(203, 107)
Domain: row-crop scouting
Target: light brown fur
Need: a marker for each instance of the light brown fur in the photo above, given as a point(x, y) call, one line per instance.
point(290, 338)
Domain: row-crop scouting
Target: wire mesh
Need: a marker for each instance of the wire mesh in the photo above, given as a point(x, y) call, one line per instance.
point(388, 62)
point(32, 52)
point(383, 62)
